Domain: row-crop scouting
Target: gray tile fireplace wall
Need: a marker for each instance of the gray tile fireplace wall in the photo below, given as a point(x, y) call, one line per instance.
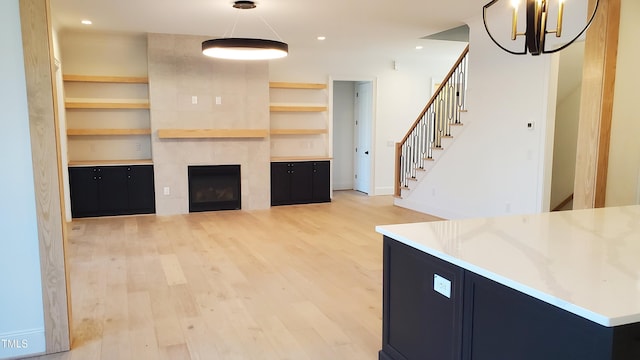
point(180, 74)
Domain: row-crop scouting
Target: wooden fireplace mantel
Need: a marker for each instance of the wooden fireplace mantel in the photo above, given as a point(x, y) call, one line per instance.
point(213, 133)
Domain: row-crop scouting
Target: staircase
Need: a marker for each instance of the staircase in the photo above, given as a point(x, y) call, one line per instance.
point(434, 126)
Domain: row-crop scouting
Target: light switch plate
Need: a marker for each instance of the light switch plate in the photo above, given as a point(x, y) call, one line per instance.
point(442, 285)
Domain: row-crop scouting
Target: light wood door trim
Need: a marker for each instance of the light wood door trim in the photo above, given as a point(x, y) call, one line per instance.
point(45, 146)
point(596, 107)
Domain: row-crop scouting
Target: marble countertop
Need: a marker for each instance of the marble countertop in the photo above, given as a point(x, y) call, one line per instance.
point(584, 261)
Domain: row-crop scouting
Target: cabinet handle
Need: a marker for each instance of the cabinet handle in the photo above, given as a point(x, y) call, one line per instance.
point(99, 177)
point(94, 178)
point(129, 177)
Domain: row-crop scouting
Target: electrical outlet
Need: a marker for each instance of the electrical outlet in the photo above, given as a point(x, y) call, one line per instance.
point(218, 100)
point(442, 285)
point(166, 190)
point(194, 100)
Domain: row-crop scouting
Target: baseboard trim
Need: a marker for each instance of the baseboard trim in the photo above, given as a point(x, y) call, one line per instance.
point(385, 190)
point(28, 342)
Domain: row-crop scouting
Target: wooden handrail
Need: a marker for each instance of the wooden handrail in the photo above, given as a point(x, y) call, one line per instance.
point(563, 203)
point(435, 94)
point(431, 134)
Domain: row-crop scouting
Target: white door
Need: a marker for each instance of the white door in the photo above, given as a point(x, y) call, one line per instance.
point(362, 132)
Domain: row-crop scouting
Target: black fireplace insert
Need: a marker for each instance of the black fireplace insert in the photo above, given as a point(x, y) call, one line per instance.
point(214, 187)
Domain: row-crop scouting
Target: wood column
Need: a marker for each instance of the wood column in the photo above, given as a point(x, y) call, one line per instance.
point(45, 146)
point(596, 107)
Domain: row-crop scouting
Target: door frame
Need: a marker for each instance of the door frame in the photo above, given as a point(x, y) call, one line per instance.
point(374, 92)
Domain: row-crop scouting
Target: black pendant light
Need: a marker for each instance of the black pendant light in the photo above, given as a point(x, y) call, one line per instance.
point(231, 48)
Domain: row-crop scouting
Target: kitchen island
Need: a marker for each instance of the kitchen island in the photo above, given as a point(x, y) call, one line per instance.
point(552, 286)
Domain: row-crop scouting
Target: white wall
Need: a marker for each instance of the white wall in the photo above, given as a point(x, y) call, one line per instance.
point(343, 117)
point(566, 126)
point(496, 166)
point(399, 97)
point(21, 312)
point(623, 184)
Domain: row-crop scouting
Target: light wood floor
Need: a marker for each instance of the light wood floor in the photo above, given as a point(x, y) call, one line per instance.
point(292, 282)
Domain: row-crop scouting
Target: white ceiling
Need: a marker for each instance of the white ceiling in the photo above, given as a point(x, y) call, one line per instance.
point(391, 27)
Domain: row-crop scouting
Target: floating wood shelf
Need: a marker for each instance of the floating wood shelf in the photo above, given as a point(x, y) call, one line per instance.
point(106, 79)
point(110, 162)
point(212, 133)
point(298, 131)
point(106, 105)
point(296, 108)
point(90, 132)
point(289, 85)
point(300, 158)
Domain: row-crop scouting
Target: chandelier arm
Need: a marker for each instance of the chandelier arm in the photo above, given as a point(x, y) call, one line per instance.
point(484, 21)
point(593, 16)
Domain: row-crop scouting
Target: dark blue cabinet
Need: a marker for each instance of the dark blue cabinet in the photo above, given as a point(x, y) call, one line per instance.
point(300, 182)
point(111, 190)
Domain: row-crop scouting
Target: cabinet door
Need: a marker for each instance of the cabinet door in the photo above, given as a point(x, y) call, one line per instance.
point(280, 183)
point(113, 198)
point(83, 184)
point(420, 323)
point(321, 181)
point(301, 182)
point(507, 324)
point(140, 187)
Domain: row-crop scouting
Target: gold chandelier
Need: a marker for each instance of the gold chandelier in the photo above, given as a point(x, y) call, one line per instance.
point(536, 15)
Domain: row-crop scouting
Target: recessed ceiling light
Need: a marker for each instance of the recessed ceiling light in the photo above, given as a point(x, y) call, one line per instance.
point(322, 38)
point(419, 47)
point(86, 22)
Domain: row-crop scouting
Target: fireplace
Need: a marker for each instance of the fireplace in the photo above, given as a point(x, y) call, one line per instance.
point(215, 187)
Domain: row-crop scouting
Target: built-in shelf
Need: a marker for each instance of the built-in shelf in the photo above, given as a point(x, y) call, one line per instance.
point(300, 158)
point(212, 133)
point(298, 131)
point(106, 105)
point(297, 108)
point(290, 85)
point(106, 79)
point(89, 132)
point(110, 162)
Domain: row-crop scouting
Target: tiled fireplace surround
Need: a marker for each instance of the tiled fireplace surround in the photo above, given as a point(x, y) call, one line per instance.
point(177, 72)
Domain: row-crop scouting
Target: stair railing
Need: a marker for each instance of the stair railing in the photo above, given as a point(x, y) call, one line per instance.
point(432, 125)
